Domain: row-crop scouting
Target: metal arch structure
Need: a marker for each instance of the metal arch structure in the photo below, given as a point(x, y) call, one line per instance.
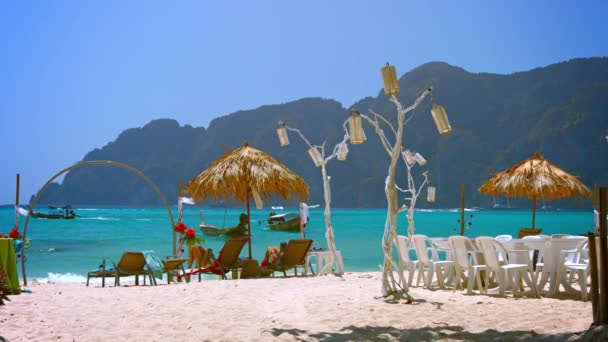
point(86, 163)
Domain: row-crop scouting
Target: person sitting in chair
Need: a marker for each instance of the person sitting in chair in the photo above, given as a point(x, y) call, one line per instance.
point(271, 255)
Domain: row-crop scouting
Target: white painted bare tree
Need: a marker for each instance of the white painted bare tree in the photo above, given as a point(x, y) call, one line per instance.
point(317, 154)
point(411, 191)
point(391, 286)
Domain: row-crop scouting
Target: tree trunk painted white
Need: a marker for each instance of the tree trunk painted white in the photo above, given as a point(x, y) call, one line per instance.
point(329, 230)
point(391, 286)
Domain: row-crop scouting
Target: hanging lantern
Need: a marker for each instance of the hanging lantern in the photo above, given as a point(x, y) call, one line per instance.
point(441, 119)
point(315, 155)
point(357, 135)
point(342, 151)
point(420, 159)
point(391, 84)
point(282, 133)
point(430, 194)
point(409, 158)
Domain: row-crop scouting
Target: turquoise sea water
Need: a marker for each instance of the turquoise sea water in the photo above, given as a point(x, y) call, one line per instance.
point(64, 250)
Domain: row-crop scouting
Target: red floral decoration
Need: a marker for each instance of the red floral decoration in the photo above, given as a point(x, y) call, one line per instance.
point(14, 234)
point(190, 237)
point(181, 228)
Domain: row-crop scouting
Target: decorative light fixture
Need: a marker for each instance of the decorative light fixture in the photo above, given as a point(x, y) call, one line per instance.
point(282, 133)
point(357, 135)
point(420, 159)
point(430, 194)
point(441, 119)
point(409, 158)
point(391, 84)
point(315, 156)
point(342, 151)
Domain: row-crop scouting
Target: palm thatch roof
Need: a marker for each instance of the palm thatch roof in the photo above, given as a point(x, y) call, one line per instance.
point(247, 170)
point(535, 178)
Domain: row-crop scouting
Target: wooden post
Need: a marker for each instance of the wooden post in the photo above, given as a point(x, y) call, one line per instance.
point(17, 205)
point(604, 258)
point(596, 196)
point(179, 220)
point(249, 221)
point(594, 277)
point(462, 209)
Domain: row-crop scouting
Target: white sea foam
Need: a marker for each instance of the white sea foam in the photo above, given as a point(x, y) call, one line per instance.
point(140, 219)
point(101, 218)
point(88, 209)
point(61, 278)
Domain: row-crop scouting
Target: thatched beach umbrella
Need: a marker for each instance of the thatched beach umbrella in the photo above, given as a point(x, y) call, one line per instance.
point(243, 173)
point(534, 178)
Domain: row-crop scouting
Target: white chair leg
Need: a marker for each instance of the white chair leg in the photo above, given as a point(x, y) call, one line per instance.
point(420, 275)
point(429, 276)
point(483, 289)
point(501, 282)
point(471, 276)
point(583, 281)
point(410, 276)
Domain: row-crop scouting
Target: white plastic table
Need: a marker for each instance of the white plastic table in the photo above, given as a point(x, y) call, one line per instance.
point(551, 251)
point(323, 262)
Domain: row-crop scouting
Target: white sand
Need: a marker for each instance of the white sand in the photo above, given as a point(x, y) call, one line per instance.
point(311, 308)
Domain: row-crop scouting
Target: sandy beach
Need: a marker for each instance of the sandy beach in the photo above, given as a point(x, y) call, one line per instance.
point(279, 309)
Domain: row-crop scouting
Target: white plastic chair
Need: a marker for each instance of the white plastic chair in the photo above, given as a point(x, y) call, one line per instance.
point(507, 273)
point(559, 236)
point(576, 261)
point(410, 265)
point(463, 261)
point(431, 266)
point(504, 237)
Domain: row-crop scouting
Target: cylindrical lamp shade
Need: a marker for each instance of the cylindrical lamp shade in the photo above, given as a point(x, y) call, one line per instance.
point(342, 151)
point(409, 158)
point(357, 136)
point(391, 84)
point(441, 120)
point(315, 156)
point(420, 159)
point(282, 133)
point(430, 194)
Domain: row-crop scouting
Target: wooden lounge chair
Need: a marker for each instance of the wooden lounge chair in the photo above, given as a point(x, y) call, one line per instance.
point(102, 273)
point(227, 260)
point(133, 264)
point(293, 256)
point(130, 264)
point(172, 267)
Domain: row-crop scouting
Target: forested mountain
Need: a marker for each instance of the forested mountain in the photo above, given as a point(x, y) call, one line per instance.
point(560, 110)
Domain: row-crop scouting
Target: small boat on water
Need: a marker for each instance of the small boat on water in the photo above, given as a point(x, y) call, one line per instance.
point(56, 213)
point(286, 222)
point(238, 230)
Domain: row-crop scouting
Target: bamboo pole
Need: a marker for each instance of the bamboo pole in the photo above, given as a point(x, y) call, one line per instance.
point(594, 277)
point(603, 259)
point(81, 164)
point(534, 214)
point(462, 209)
point(179, 219)
point(249, 221)
point(17, 205)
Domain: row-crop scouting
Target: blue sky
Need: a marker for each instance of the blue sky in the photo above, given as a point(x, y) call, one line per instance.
point(74, 74)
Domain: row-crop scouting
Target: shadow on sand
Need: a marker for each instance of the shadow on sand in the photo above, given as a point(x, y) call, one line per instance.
point(439, 333)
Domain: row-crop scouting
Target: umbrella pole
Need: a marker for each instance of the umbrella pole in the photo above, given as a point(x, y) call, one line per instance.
point(534, 213)
point(248, 223)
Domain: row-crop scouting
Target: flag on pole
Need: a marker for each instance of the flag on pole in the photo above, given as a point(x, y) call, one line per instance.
point(22, 211)
point(180, 201)
point(187, 200)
